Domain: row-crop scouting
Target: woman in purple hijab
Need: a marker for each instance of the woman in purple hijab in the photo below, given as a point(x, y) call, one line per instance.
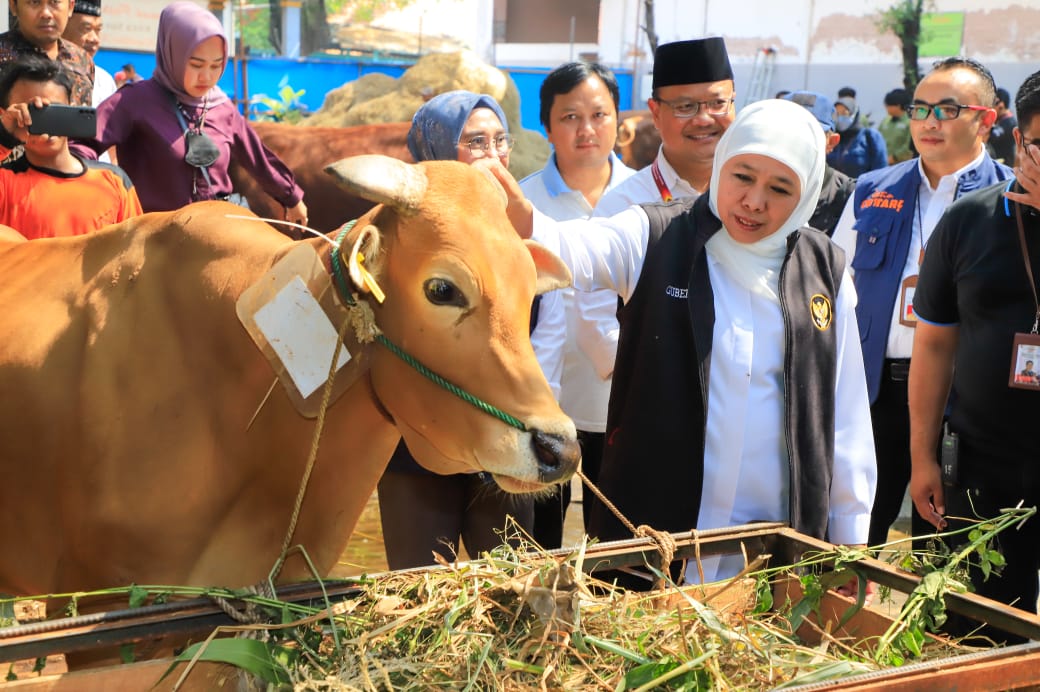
point(177, 133)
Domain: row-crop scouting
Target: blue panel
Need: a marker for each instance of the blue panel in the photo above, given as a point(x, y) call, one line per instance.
point(318, 76)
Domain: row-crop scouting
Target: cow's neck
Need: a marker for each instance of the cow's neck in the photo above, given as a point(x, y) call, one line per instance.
point(340, 487)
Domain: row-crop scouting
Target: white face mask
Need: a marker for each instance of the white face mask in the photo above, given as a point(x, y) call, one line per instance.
point(843, 122)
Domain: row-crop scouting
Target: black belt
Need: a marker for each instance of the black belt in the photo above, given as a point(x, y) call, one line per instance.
point(896, 369)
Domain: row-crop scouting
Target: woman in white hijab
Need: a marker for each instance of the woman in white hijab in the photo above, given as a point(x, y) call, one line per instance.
point(739, 392)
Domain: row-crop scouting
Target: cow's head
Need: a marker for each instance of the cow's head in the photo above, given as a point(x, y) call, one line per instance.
point(459, 285)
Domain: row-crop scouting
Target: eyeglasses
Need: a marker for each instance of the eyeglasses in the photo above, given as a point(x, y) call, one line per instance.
point(502, 144)
point(942, 111)
point(683, 108)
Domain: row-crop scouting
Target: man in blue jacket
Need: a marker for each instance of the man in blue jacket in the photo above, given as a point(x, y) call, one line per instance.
point(860, 148)
point(885, 229)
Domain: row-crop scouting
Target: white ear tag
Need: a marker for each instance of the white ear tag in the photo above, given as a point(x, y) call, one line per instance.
point(292, 315)
point(300, 333)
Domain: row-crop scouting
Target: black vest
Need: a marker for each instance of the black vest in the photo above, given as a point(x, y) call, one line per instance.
point(653, 458)
point(837, 188)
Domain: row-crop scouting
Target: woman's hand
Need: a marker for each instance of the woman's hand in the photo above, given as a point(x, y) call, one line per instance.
point(518, 208)
point(297, 214)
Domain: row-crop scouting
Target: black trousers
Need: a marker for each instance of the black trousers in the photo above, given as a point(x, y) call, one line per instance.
point(989, 487)
point(550, 512)
point(890, 419)
point(423, 513)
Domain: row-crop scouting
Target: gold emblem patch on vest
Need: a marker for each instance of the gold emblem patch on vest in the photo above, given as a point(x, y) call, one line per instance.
point(822, 314)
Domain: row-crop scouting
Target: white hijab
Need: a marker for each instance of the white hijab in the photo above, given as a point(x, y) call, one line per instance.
point(787, 132)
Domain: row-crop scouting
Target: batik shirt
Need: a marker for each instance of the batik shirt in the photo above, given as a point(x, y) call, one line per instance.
point(77, 61)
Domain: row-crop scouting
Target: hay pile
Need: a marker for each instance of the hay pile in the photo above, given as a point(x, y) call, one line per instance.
point(377, 98)
point(509, 622)
point(513, 621)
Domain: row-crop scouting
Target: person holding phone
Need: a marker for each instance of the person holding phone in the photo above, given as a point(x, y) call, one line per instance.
point(176, 133)
point(50, 191)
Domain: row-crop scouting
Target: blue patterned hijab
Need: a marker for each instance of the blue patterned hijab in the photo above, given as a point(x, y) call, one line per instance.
point(437, 125)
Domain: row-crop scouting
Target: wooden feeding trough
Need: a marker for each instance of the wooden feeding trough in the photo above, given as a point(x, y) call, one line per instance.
point(1012, 667)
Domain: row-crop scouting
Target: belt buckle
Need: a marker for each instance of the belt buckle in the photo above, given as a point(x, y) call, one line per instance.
point(899, 372)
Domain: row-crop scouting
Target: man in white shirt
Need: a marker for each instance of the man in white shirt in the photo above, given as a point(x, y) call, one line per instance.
point(579, 107)
point(884, 231)
point(692, 104)
point(84, 29)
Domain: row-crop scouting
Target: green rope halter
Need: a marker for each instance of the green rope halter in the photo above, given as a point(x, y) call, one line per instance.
point(348, 296)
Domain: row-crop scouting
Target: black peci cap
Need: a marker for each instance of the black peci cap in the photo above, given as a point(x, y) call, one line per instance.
point(692, 62)
point(91, 7)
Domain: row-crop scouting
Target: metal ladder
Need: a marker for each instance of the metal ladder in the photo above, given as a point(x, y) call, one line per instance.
point(761, 75)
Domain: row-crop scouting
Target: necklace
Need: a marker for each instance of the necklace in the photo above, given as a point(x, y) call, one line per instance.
point(196, 118)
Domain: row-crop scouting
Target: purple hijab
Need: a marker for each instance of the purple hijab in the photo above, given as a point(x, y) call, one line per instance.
point(437, 125)
point(182, 27)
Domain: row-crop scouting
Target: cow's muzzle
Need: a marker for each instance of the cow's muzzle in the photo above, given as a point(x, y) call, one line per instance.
point(558, 456)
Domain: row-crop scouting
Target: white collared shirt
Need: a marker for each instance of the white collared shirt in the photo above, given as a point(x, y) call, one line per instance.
point(589, 343)
point(641, 188)
point(930, 205)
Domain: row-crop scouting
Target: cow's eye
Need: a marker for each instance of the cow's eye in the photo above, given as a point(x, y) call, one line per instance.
point(444, 292)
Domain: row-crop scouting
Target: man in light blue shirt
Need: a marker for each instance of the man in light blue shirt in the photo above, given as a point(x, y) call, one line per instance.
point(579, 107)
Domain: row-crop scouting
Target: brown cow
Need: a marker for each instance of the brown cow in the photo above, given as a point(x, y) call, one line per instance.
point(306, 151)
point(638, 139)
point(129, 384)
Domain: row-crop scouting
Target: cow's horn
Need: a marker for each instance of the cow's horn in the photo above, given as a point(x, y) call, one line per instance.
point(381, 179)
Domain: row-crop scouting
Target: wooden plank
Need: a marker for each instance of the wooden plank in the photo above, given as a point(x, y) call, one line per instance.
point(204, 677)
point(999, 669)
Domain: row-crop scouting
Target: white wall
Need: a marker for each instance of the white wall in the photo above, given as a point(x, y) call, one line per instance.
point(826, 44)
point(821, 44)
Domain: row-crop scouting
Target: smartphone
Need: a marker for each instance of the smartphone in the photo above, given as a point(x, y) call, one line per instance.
point(59, 120)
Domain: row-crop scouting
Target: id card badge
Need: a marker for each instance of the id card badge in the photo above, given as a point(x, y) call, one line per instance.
point(907, 318)
point(1025, 362)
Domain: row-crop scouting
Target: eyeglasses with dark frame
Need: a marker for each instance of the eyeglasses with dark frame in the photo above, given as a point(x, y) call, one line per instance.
point(686, 108)
point(942, 111)
point(502, 144)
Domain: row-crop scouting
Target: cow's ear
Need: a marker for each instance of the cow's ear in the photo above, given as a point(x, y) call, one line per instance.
point(552, 272)
point(365, 261)
point(382, 179)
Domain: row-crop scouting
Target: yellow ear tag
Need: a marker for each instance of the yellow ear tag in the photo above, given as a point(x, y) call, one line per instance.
point(369, 280)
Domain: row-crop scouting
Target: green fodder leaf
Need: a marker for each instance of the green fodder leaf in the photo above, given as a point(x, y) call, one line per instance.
point(648, 673)
point(912, 640)
point(996, 558)
point(763, 595)
point(138, 596)
point(828, 671)
point(250, 655)
point(126, 653)
point(861, 600)
point(523, 667)
point(606, 645)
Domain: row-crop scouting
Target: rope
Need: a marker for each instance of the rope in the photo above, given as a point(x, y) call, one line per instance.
point(664, 540)
point(318, 428)
point(454, 389)
point(250, 614)
point(348, 296)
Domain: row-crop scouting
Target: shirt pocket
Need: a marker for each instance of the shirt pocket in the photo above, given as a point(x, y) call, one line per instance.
point(874, 238)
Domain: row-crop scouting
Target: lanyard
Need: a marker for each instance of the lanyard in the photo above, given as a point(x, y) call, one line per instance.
point(662, 187)
point(1029, 267)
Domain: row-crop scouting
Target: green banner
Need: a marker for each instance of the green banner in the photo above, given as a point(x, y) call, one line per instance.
point(942, 34)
